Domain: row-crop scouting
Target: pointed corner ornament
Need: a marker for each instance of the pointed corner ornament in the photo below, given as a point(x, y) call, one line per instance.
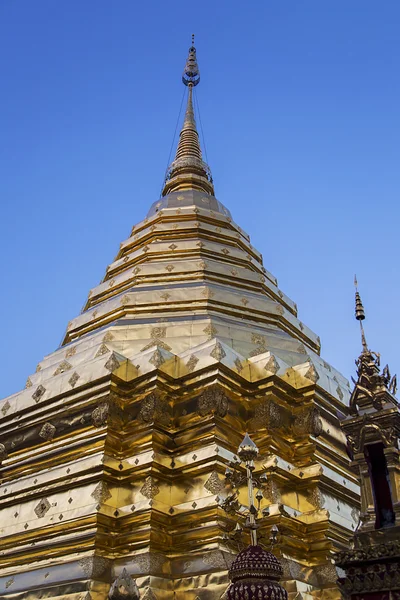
point(372, 387)
point(124, 588)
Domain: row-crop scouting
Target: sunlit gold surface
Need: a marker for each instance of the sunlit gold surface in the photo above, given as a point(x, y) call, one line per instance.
point(186, 344)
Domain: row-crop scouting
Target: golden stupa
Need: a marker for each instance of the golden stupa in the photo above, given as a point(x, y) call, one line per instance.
point(114, 455)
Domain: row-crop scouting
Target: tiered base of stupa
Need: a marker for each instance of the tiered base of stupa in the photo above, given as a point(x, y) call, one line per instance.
point(114, 455)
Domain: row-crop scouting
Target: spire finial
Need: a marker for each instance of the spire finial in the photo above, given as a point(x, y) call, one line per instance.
point(188, 171)
point(360, 315)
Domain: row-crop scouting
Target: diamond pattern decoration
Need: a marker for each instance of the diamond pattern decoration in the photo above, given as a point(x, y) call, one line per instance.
point(70, 352)
point(73, 380)
point(5, 408)
point(173, 247)
point(312, 373)
point(40, 390)
point(210, 331)
point(170, 268)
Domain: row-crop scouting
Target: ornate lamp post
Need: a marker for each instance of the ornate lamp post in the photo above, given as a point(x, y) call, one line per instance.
point(247, 453)
point(255, 572)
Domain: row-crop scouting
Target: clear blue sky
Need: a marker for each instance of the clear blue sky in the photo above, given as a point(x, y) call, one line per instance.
point(300, 109)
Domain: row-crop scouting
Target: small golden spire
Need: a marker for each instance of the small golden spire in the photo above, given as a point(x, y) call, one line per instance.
point(360, 315)
point(188, 171)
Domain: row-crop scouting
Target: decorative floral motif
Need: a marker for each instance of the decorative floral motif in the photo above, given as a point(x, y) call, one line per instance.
point(191, 363)
point(261, 343)
point(102, 350)
point(47, 431)
point(42, 508)
point(154, 408)
point(100, 414)
point(214, 484)
point(101, 493)
point(149, 489)
point(218, 353)
point(112, 363)
point(157, 359)
point(70, 351)
point(312, 373)
point(62, 367)
point(149, 562)
point(94, 566)
point(238, 365)
point(213, 401)
point(210, 331)
point(272, 365)
point(214, 559)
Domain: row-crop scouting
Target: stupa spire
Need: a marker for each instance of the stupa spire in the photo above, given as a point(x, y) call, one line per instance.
point(188, 170)
point(360, 315)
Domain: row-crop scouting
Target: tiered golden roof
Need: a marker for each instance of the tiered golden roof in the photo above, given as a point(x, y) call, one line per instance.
point(114, 454)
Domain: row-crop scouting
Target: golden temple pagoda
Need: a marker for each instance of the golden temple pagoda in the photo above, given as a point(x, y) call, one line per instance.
point(113, 457)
